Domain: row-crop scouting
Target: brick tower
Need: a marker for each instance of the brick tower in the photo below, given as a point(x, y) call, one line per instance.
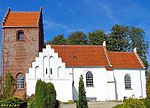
point(22, 40)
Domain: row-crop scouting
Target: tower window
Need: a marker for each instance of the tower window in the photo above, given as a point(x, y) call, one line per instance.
point(51, 70)
point(20, 35)
point(20, 81)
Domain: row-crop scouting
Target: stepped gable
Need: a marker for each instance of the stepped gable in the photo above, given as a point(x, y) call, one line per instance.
point(82, 55)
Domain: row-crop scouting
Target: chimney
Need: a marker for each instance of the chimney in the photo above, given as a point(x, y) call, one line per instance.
point(135, 50)
point(104, 43)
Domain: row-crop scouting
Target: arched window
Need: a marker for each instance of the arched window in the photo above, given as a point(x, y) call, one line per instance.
point(20, 35)
point(20, 81)
point(127, 79)
point(89, 79)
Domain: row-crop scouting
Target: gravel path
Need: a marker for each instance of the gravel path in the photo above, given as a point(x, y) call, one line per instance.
point(93, 105)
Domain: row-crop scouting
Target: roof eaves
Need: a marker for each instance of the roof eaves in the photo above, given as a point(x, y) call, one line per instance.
point(139, 59)
point(39, 16)
point(20, 26)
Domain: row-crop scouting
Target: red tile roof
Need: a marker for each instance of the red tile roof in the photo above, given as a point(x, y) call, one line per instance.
point(124, 60)
point(22, 19)
point(82, 55)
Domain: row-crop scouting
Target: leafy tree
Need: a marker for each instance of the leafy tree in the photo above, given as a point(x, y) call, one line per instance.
point(9, 85)
point(118, 38)
point(40, 94)
point(137, 40)
point(51, 96)
point(96, 37)
point(58, 40)
point(77, 38)
point(82, 103)
point(148, 85)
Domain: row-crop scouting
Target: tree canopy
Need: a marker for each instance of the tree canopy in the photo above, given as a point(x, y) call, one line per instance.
point(120, 38)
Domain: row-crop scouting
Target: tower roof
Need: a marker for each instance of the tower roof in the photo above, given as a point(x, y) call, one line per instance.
point(21, 19)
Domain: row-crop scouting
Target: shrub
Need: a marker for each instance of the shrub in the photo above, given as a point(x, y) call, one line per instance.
point(148, 85)
point(133, 103)
point(82, 102)
point(40, 94)
point(13, 102)
point(32, 104)
point(9, 84)
point(51, 96)
point(146, 102)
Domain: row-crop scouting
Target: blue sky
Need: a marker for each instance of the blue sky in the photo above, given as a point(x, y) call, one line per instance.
point(65, 16)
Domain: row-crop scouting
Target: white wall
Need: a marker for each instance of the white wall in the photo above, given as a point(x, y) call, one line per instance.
point(60, 76)
point(108, 85)
point(135, 83)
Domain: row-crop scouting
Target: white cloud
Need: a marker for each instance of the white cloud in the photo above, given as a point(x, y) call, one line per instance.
point(52, 24)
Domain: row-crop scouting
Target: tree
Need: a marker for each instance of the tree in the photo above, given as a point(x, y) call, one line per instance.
point(96, 37)
point(148, 85)
point(58, 40)
point(51, 96)
point(137, 40)
point(118, 39)
point(40, 94)
point(82, 103)
point(9, 85)
point(77, 38)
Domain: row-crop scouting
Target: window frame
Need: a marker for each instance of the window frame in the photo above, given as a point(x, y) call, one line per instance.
point(18, 35)
point(20, 84)
point(127, 82)
point(89, 79)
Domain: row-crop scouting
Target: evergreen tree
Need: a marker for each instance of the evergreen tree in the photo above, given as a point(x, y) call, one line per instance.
point(9, 85)
point(77, 38)
point(82, 103)
point(148, 85)
point(96, 37)
point(40, 94)
point(58, 40)
point(51, 96)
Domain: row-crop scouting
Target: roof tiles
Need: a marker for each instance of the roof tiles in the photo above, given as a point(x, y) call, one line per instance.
point(22, 19)
point(82, 55)
point(124, 60)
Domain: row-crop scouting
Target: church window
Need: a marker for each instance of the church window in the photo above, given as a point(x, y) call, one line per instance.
point(20, 81)
point(46, 70)
point(127, 79)
point(89, 79)
point(20, 35)
point(51, 70)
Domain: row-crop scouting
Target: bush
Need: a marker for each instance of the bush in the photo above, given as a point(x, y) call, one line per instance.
point(133, 103)
point(32, 104)
point(148, 85)
point(146, 102)
point(45, 96)
point(82, 102)
point(51, 96)
point(40, 94)
point(13, 102)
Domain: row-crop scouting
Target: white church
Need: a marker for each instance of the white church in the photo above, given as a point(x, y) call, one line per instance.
point(107, 75)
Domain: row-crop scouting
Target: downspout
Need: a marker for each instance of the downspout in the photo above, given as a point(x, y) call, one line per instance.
point(141, 85)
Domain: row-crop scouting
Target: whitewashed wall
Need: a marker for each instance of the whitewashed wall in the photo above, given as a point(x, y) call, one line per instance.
point(108, 85)
point(41, 69)
point(136, 80)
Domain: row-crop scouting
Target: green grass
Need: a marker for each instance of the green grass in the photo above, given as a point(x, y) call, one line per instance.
point(118, 106)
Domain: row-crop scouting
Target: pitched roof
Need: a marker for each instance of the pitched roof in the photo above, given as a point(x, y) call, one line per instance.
point(81, 55)
point(15, 19)
point(124, 60)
